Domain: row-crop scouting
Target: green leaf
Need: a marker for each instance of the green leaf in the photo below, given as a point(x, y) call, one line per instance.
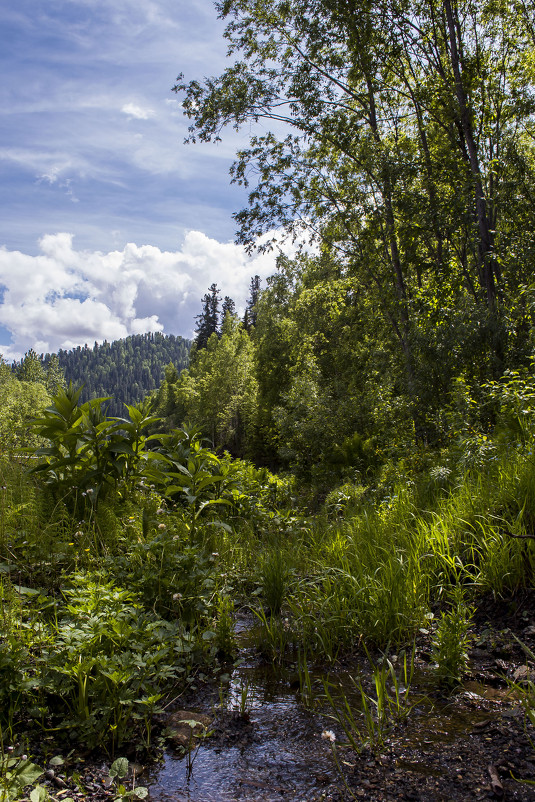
point(119, 768)
point(39, 794)
point(27, 773)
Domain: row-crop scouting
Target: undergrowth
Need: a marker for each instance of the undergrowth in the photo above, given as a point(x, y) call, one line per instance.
point(124, 558)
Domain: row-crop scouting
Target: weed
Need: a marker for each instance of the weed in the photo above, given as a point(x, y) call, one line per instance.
point(16, 772)
point(225, 640)
point(274, 636)
point(377, 713)
point(451, 641)
point(118, 773)
point(274, 574)
point(305, 680)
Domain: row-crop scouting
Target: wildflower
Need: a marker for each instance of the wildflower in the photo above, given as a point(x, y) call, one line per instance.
point(328, 735)
point(177, 596)
point(90, 491)
point(161, 526)
point(78, 533)
point(160, 511)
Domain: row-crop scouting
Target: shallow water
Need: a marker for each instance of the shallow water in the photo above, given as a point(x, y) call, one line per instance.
point(279, 755)
point(276, 751)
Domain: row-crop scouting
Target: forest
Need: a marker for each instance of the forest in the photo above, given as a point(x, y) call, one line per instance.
point(346, 470)
point(124, 371)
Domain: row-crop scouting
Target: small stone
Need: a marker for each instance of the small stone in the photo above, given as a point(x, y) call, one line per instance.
point(521, 674)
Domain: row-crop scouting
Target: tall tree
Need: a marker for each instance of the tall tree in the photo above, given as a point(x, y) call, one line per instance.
point(228, 307)
point(218, 391)
point(207, 320)
point(250, 316)
point(31, 368)
point(55, 377)
point(404, 128)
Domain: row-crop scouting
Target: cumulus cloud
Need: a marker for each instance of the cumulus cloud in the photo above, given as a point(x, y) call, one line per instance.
point(63, 297)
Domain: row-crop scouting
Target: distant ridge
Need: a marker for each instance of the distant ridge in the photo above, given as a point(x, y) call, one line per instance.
point(127, 369)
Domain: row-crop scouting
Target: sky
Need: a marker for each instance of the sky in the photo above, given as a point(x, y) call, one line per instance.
point(109, 224)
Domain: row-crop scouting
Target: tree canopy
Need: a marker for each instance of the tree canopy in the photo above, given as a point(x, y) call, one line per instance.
point(402, 138)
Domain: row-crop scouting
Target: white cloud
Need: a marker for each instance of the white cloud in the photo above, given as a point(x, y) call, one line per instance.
point(62, 297)
point(137, 112)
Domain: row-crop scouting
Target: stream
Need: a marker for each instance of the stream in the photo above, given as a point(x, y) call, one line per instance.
point(267, 744)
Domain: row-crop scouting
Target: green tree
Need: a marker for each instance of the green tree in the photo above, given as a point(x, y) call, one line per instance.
point(30, 368)
point(326, 370)
point(218, 392)
point(20, 400)
point(228, 306)
point(207, 320)
point(250, 317)
point(55, 378)
point(405, 128)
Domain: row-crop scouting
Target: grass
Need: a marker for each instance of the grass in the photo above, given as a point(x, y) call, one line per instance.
point(322, 586)
point(366, 718)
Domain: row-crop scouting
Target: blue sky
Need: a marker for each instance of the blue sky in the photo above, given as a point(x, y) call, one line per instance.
point(109, 224)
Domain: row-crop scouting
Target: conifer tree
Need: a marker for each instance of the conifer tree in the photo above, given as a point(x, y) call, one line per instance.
point(31, 368)
point(249, 319)
point(55, 377)
point(228, 306)
point(208, 319)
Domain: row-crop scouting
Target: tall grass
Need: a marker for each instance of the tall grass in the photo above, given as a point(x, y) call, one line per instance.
point(373, 574)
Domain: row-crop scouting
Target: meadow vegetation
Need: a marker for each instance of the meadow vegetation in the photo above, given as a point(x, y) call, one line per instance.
point(125, 555)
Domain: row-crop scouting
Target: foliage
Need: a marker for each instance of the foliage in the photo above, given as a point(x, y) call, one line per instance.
point(386, 706)
point(274, 575)
point(207, 321)
point(119, 771)
point(88, 453)
point(451, 641)
point(125, 371)
point(218, 392)
point(98, 659)
point(398, 134)
point(16, 773)
point(20, 401)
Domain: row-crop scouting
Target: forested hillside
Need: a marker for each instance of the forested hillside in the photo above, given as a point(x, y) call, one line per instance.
point(127, 370)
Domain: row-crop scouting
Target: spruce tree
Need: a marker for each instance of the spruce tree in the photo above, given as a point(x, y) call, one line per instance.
point(208, 319)
point(249, 319)
point(228, 306)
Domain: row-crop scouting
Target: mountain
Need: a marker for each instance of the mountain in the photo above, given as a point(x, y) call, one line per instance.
point(127, 369)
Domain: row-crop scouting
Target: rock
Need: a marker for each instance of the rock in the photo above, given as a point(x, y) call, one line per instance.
point(184, 725)
point(521, 674)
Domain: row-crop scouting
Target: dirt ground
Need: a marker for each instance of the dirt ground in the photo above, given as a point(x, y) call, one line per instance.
point(478, 747)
